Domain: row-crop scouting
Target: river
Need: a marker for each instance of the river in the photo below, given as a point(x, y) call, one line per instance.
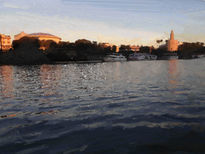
point(119, 107)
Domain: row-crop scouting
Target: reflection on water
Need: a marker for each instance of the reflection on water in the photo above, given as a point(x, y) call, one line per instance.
point(173, 73)
point(50, 77)
point(104, 107)
point(116, 71)
point(6, 80)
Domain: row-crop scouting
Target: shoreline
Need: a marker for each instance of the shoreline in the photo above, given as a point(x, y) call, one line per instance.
point(92, 62)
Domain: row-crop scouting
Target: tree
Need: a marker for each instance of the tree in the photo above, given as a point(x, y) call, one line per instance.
point(114, 48)
point(26, 43)
point(82, 41)
point(125, 48)
point(159, 41)
point(187, 50)
point(144, 49)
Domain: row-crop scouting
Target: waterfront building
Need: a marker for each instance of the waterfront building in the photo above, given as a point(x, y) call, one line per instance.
point(19, 36)
point(172, 44)
point(117, 48)
point(135, 48)
point(39, 36)
point(5, 42)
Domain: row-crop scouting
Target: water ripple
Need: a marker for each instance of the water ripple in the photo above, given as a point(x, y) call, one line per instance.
point(101, 106)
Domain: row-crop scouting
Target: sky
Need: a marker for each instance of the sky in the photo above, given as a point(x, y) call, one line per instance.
point(134, 22)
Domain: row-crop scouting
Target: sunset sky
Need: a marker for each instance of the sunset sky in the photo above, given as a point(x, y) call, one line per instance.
point(115, 21)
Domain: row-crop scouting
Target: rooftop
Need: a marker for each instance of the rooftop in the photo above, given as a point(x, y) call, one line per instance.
point(43, 34)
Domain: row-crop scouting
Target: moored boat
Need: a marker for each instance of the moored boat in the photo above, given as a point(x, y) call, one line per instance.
point(151, 57)
point(136, 56)
point(114, 57)
point(198, 56)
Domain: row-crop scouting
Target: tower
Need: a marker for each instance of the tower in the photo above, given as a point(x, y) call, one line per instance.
point(172, 35)
point(172, 44)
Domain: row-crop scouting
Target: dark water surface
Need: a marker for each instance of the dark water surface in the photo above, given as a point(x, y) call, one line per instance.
point(129, 107)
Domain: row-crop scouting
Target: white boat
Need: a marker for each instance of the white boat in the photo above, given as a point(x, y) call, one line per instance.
point(137, 56)
point(114, 57)
point(201, 56)
point(198, 56)
point(150, 57)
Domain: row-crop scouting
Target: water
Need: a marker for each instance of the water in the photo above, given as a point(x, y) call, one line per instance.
point(128, 107)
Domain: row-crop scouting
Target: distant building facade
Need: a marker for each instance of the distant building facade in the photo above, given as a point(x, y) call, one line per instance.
point(39, 36)
point(172, 44)
point(5, 42)
point(135, 48)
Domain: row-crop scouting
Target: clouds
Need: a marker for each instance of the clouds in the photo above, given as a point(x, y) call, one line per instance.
point(72, 29)
point(130, 21)
point(13, 4)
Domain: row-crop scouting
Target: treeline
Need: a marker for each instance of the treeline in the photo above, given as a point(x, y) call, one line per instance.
point(84, 50)
point(190, 50)
point(185, 51)
point(32, 51)
point(80, 50)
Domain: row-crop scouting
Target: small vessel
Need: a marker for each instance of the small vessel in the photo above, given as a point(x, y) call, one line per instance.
point(198, 56)
point(150, 57)
point(114, 57)
point(137, 56)
point(201, 56)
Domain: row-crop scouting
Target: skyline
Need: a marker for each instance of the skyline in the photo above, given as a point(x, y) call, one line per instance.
point(116, 21)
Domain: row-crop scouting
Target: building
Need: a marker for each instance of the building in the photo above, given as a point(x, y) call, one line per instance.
point(135, 48)
point(5, 42)
point(19, 36)
point(39, 36)
point(172, 45)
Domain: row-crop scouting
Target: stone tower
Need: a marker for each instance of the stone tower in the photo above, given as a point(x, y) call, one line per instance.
point(172, 44)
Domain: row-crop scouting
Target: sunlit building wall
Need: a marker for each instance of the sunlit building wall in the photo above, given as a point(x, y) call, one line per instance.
point(135, 48)
point(5, 42)
point(172, 44)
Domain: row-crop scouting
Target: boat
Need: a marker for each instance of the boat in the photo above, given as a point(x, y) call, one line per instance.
point(201, 56)
point(114, 57)
point(198, 56)
point(150, 57)
point(136, 56)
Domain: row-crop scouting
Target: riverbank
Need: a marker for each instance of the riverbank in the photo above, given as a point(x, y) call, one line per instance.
point(39, 59)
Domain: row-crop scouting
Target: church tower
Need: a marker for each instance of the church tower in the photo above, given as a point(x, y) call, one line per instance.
point(172, 44)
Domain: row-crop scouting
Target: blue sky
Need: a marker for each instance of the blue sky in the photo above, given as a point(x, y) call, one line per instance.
point(115, 21)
